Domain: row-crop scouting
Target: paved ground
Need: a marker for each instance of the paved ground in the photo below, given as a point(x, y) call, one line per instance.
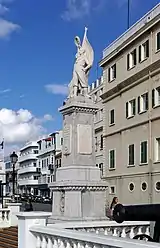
point(40, 207)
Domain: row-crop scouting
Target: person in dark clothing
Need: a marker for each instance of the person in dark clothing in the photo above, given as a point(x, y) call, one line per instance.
point(28, 206)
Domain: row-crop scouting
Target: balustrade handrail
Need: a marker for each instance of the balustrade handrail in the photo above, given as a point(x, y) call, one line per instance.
point(89, 238)
point(4, 210)
point(101, 224)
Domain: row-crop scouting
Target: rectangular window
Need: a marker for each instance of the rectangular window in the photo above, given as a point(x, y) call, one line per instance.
point(156, 97)
point(112, 190)
point(158, 41)
point(111, 117)
point(131, 154)
point(144, 51)
point(157, 150)
point(131, 59)
point(143, 103)
point(112, 73)
point(130, 108)
point(144, 155)
point(112, 159)
point(101, 145)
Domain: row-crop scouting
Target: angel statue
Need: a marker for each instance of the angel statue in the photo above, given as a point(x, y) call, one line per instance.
point(83, 63)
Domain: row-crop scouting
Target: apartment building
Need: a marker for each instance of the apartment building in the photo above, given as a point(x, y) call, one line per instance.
point(95, 90)
point(48, 149)
point(131, 100)
point(9, 176)
point(29, 170)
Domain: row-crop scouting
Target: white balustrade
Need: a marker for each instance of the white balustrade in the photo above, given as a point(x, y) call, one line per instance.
point(4, 217)
point(50, 237)
point(127, 229)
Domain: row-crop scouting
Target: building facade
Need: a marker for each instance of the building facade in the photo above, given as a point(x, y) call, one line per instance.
point(29, 170)
point(48, 148)
point(95, 91)
point(131, 100)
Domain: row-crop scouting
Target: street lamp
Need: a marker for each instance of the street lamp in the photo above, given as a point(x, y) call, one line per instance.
point(14, 159)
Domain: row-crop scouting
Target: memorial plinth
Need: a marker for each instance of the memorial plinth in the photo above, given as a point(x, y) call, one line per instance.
point(78, 192)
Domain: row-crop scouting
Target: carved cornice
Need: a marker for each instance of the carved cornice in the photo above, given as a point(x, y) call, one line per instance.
point(79, 188)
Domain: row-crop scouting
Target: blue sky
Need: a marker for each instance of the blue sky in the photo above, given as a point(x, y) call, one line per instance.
point(37, 47)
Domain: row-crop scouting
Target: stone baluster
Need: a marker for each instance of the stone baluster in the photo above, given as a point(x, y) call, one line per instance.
point(97, 231)
point(115, 232)
point(68, 244)
point(49, 244)
point(132, 234)
point(123, 234)
point(38, 242)
point(44, 242)
point(61, 244)
point(147, 232)
point(55, 243)
point(139, 230)
point(1, 216)
point(106, 231)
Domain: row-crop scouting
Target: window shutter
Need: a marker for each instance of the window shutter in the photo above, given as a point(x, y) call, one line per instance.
point(126, 109)
point(135, 57)
point(139, 53)
point(147, 101)
point(109, 74)
point(153, 98)
point(115, 71)
point(127, 61)
point(134, 106)
point(138, 104)
point(147, 48)
point(158, 41)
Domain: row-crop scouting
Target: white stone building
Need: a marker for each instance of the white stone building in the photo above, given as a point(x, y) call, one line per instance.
point(29, 170)
point(48, 148)
point(95, 91)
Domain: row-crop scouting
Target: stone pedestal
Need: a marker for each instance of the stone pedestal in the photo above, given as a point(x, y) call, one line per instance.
point(78, 192)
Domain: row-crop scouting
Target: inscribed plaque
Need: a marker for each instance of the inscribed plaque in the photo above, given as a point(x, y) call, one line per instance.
point(67, 137)
point(84, 139)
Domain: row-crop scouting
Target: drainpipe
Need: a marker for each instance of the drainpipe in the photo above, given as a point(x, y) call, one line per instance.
point(150, 162)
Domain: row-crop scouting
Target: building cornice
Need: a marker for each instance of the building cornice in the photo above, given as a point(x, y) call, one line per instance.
point(141, 26)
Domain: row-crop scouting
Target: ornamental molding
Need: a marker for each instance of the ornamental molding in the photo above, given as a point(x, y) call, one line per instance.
point(80, 188)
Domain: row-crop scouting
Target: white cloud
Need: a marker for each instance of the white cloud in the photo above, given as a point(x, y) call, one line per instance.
point(57, 89)
point(3, 9)
point(48, 117)
point(20, 126)
point(7, 28)
point(5, 91)
point(76, 9)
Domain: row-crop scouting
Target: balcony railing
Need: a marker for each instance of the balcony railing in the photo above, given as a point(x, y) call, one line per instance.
point(44, 180)
point(27, 169)
point(28, 156)
point(27, 182)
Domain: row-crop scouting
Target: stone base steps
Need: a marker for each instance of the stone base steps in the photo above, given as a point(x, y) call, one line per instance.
point(9, 237)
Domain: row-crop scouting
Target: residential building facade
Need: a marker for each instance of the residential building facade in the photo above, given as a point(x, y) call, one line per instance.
point(131, 101)
point(95, 91)
point(48, 148)
point(29, 170)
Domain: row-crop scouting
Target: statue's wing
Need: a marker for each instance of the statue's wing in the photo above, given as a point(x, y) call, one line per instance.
point(88, 49)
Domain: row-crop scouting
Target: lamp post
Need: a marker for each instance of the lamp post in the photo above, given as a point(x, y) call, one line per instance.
point(14, 159)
